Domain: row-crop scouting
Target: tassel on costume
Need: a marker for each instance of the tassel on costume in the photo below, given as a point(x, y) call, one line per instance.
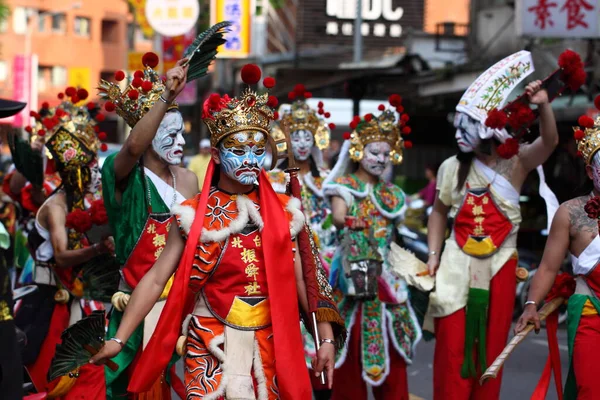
point(477, 307)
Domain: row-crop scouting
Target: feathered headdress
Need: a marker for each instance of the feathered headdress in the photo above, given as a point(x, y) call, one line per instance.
point(587, 135)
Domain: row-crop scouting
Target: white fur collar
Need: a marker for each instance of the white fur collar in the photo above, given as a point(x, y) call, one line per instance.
point(247, 211)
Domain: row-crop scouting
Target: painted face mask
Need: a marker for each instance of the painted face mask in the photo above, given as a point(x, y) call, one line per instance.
point(95, 177)
point(467, 136)
point(242, 156)
point(376, 158)
point(595, 164)
point(168, 142)
point(302, 143)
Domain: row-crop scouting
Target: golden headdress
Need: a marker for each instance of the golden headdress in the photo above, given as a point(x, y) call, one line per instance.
point(301, 117)
point(383, 128)
point(587, 135)
point(141, 93)
point(249, 112)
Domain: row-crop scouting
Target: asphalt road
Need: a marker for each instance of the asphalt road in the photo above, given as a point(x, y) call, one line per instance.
point(521, 371)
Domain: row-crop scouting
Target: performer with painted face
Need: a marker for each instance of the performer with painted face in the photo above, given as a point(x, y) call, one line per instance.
point(475, 279)
point(236, 290)
point(63, 253)
point(575, 230)
point(309, 134)
point(142, 183)
point(383, 328)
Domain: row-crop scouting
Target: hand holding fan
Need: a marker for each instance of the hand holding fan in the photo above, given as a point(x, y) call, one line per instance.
point(78, 343)
point(204, 49)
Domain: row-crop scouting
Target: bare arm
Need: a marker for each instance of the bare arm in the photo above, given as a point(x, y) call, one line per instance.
point(339, 209)
point(56, 221)
point(144, 131)
point(151, 286)
point(300, 284)
point(436, 232)
point(554, 253)
point(190, 186)
point(538, 152)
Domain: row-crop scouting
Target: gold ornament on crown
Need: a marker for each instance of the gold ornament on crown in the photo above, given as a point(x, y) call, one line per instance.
point(383, 128)
point(590, 143)
point(302, 117)
point(132, 110)
point(249, 112)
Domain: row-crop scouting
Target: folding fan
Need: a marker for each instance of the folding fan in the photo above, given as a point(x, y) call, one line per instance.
point(204, 49)
point(100, 277)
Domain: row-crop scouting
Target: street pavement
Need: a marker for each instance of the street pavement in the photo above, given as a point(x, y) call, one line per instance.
point(521, 371)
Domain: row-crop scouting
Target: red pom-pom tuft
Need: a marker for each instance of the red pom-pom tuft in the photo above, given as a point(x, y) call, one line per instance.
point(75, 99)
point(408, 144)
point(368, 117)
point(332, 126)
point(395, 100)
point(579, 154)
point(61, 96)
point(146, 86)
point(496, 119)
point(585, 121)
point(251, 74)
point(109, 106)
point(400, 109)
point(275, 116)
point(48, 123)
point(320, 111)
point(28, 129)
point(579, 134)
point(508, 149)
point(269, 82)
point(96, 128)
point(299, 89)
point(356, 119)
point(576, 79)
point(569, 61)
point(597, 102)
point(150, 60)
point(137, 82)
point(320, 105)
point(307, 95)
point(406, 130)
point(100, 117)
point(138, 74)
point(41, 133)
point(272, 102)
point(347, 135)
point(291, 96)
point(91, 105)
point(34, 114)
point(71, 91)
point(353, 125)
point(102, 136)
point(45, 105)
point(327, 115)
point(381, 107)
point(405, 118)
point(133, 94)
point(82, 94)
point(103, 147)
point(119, 76)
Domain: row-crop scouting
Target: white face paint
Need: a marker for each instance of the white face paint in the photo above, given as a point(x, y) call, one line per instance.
point(467, 136)
point(168, 142)
point(376, 158)
point(595, 164)
point(95, 177)
point(302, 143)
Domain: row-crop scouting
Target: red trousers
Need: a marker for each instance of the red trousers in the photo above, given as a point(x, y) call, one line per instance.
point(586, 353)
point(450, 342)
point(348, 382)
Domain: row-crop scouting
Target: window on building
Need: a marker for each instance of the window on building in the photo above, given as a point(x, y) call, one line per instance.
point(110, 31)
point(58, 23)
point(41, 18)
point(20, 19)
point(3, 70)
point(59, 76)
point(82, 26)
point(44, 78)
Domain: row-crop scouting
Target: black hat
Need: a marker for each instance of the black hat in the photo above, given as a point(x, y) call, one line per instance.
point(8, 108)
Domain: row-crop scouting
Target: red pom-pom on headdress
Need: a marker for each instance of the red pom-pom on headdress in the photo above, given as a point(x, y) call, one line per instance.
point(332, 126)
point(408, 144)
point(406, 130)
point(251, 74)
point(102, 136)
point(34, 114)
point(353, 125)
point(137, 82)
point(368, 117)
point(82, 94)
point(133, 94)
point(496, 119)
point(320, 111)
point(28, 129)
point(320, 105)
point(103, 147)
point(109, 106)
point(307, 95)
point(41, 133)
point(119, 76)
point(275, 116)
point(347, 135)
point(299, 89)
point(91, 105)
point(138, 74)
point(381, 107)
point(150, 59)
point(576, 79)
point(569, 61)
point(61, 96)
point(45, 105)
point(100, 117)
point(269, 82)
point(327, 114)
point(395, 100)
point(508, 149)
point(75, 99)
point(597, 102)
point(291, 96)
point(272, 102)
point(578, 134)
point(405, 118)
point(585, 121)
point(146, 86)
point(71, 91)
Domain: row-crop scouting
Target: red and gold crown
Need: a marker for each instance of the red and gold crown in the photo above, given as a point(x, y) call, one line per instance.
point(249, 112)
point(383, 128)
point(142, 92)
point(587, 135)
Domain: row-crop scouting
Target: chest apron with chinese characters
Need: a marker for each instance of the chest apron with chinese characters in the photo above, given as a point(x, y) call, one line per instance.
point(480, 229)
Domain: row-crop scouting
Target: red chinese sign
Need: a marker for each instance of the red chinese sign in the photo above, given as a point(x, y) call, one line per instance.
point(559, 18)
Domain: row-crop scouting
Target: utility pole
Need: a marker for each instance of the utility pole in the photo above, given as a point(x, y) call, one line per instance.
point(357, 52)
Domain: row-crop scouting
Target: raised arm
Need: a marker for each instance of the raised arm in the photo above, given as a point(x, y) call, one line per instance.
point(554, 253)
point(436, 232)
point(144, 131)
point(145, 294)
point(56, 221)
point(538, 152)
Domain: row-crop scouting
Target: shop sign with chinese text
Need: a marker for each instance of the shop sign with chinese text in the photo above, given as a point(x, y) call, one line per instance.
point(238, 37)
point(173, 17)
point(559, 18)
